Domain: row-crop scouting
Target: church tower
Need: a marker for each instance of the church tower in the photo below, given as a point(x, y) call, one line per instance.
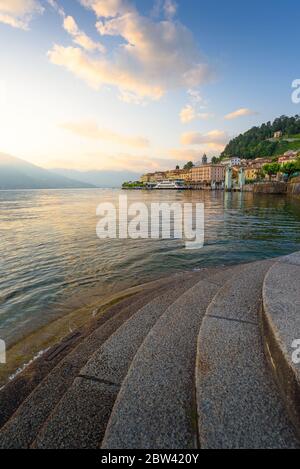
point(204, 159)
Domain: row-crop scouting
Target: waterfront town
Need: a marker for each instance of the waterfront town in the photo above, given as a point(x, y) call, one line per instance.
point(230, 174)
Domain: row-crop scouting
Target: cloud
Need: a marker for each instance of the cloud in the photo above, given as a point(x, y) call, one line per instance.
point(170, 8)
point(151, 57)
point(189, 114)
point(240, 113)
point(107, 8)
point(99, 71)
point(191, 111)
point(91, 130)
point(57, 7)
point(79, 37)
point(214, 138)
point(19, 13)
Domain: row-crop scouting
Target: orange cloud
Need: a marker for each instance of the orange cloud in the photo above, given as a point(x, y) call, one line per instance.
point(18, 13)
point(189, 114)
point(212, 138)
point(107, 8)
point(156, 55)
point(91, 130)
point(79, 37)
point(240, 113)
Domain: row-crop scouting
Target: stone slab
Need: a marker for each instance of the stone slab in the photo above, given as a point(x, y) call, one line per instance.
point(109, 364)
point(291, 258)
point(112, 360)
point(281, 323)
point(239, 405)
point(94, 400)
point(155, 407)
point(239, 298)
point(21, 430)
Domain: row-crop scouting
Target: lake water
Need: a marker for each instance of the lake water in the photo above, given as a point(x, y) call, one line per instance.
point(51, 260)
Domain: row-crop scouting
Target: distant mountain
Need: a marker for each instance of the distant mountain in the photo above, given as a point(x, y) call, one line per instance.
point(18, 174)
point(105, 179)
point(259, 141)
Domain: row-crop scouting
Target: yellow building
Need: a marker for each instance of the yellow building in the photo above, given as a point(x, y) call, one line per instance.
point(153, 177)
point(253, 172)
point(208, 173)
point(176, 174)
point(145, 178)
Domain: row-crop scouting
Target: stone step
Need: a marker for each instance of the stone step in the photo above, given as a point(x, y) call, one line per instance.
point(239, 405)
point(155, 407)
point(281, 326)
point(17, 390)
point(88, 402)
point(22, 428)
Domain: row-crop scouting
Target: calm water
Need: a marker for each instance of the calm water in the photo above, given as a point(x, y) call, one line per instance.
point(51, 260)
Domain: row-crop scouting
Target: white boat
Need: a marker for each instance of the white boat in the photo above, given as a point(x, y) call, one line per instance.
point(177, 184)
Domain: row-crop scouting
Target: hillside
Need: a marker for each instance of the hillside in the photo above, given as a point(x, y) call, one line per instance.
point(18, 174)
point(259, 141)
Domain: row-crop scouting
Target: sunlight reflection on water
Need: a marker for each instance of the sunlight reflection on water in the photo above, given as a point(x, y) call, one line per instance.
point(51, 259)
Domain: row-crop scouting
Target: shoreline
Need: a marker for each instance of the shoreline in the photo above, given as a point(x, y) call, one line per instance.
point(25, 351)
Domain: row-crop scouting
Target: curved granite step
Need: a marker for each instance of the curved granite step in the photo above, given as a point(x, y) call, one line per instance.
point(239, 405)
point(155, 407)
point(16, 391)
point(22, 428)
point(281, 326)
point(88, 402)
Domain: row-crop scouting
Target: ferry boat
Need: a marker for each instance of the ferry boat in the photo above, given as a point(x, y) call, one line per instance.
point(177, 184)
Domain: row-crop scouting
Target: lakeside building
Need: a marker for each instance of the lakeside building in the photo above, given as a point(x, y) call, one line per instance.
point(153, 177)
point(253, 172)
point(178, 174)
point(172, 175)
point(254, 168)
point(287, 159)
point(261, 161)
point(235, 161)
point(204, 159)
point(208, 174)
point(145, 178)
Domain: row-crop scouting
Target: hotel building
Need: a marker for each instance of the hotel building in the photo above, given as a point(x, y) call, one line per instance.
point(208, 174)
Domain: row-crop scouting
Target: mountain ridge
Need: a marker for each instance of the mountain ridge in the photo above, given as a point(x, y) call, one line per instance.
point(16, 173)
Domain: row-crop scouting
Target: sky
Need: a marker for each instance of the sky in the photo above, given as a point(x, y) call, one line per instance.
point(141, 85)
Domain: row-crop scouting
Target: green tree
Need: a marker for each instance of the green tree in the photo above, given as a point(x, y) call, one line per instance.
point(258, 141)
point(290, 168)
point(177, 167)
point(189, 165)
point(271, 169)
point(215, 160)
